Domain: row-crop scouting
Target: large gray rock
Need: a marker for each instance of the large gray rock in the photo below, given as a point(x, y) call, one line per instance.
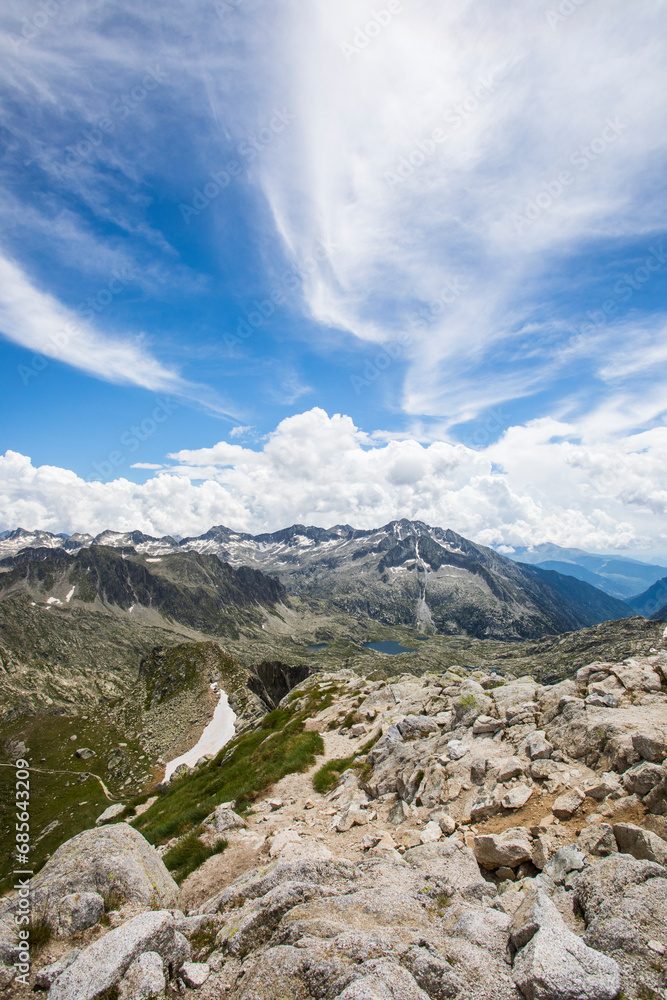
point(651, 746)
point(471, 702)
point(7, 975)
point(640, 843)
point(600, 787)
point(78, 911)
point(145, 978)
point(624, 903)
point(223, 818)
point(335, 875)
point(194, 974)
point(111, 812)
point(552, 963)
point(597, 840)
point(47, 975)
point(537, 747)
point(113, 859)
point(567, 804)
point(452, 864)
point(503, 850)
point(415, 727)
point(485, 927)
point(517, 797)
point(643, 777)
point(104, 963)
point(510, 768)
point(565, 860)
point(384, 980)
point(255, 922)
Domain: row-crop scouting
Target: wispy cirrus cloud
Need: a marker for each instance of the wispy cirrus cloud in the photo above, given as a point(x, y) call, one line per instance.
point(36, 320)
point(475, 144)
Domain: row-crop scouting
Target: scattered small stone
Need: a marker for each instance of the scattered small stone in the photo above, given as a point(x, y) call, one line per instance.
point(194, 974)
point(566, 805)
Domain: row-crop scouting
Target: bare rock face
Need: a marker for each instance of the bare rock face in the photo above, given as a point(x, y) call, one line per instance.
point(517, 797)
point(537, 747)
point(224, 818)
point(567, 804)
point(624, 903)
point(145, 978)
point(104, 963)
point(651, 746)
point(78, 911)
point(510, 768)
point(598, 840)
point(552, 963)
point(415, 727)
point(47, 976)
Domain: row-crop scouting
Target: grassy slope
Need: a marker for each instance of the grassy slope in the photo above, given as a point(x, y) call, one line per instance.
point(56, 794)
point(251, 763)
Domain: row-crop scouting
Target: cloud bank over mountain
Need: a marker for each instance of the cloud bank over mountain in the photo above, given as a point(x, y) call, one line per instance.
point(320, 469)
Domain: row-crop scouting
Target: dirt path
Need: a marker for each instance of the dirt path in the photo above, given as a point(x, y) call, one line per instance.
point(53, 770)
point(251, 846)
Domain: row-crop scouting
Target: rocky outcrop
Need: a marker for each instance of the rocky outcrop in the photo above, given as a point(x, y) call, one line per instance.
point(552, 963)
point(102, 965)
point(271, 680)
point(111, 862)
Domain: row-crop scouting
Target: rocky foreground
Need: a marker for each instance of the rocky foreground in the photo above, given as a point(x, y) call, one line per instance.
point(487, 837)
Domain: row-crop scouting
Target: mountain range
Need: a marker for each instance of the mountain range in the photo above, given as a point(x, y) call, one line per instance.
point(404, 572)
point(616, 575)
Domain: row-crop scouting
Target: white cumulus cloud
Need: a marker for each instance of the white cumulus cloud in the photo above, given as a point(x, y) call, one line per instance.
point(533, 485)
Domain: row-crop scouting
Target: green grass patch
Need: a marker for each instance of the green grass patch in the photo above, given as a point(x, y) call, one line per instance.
point(189, 854)
point(327, 776)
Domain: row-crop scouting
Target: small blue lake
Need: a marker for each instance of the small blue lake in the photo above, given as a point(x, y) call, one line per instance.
point(391, 648)
point(316, 647)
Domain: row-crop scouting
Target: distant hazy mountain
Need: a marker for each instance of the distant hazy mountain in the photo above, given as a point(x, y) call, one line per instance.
point(616, 575)
point(402, 573)
point(652, 602)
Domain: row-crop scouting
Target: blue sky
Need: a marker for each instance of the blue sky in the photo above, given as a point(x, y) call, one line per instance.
point(266, 262)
